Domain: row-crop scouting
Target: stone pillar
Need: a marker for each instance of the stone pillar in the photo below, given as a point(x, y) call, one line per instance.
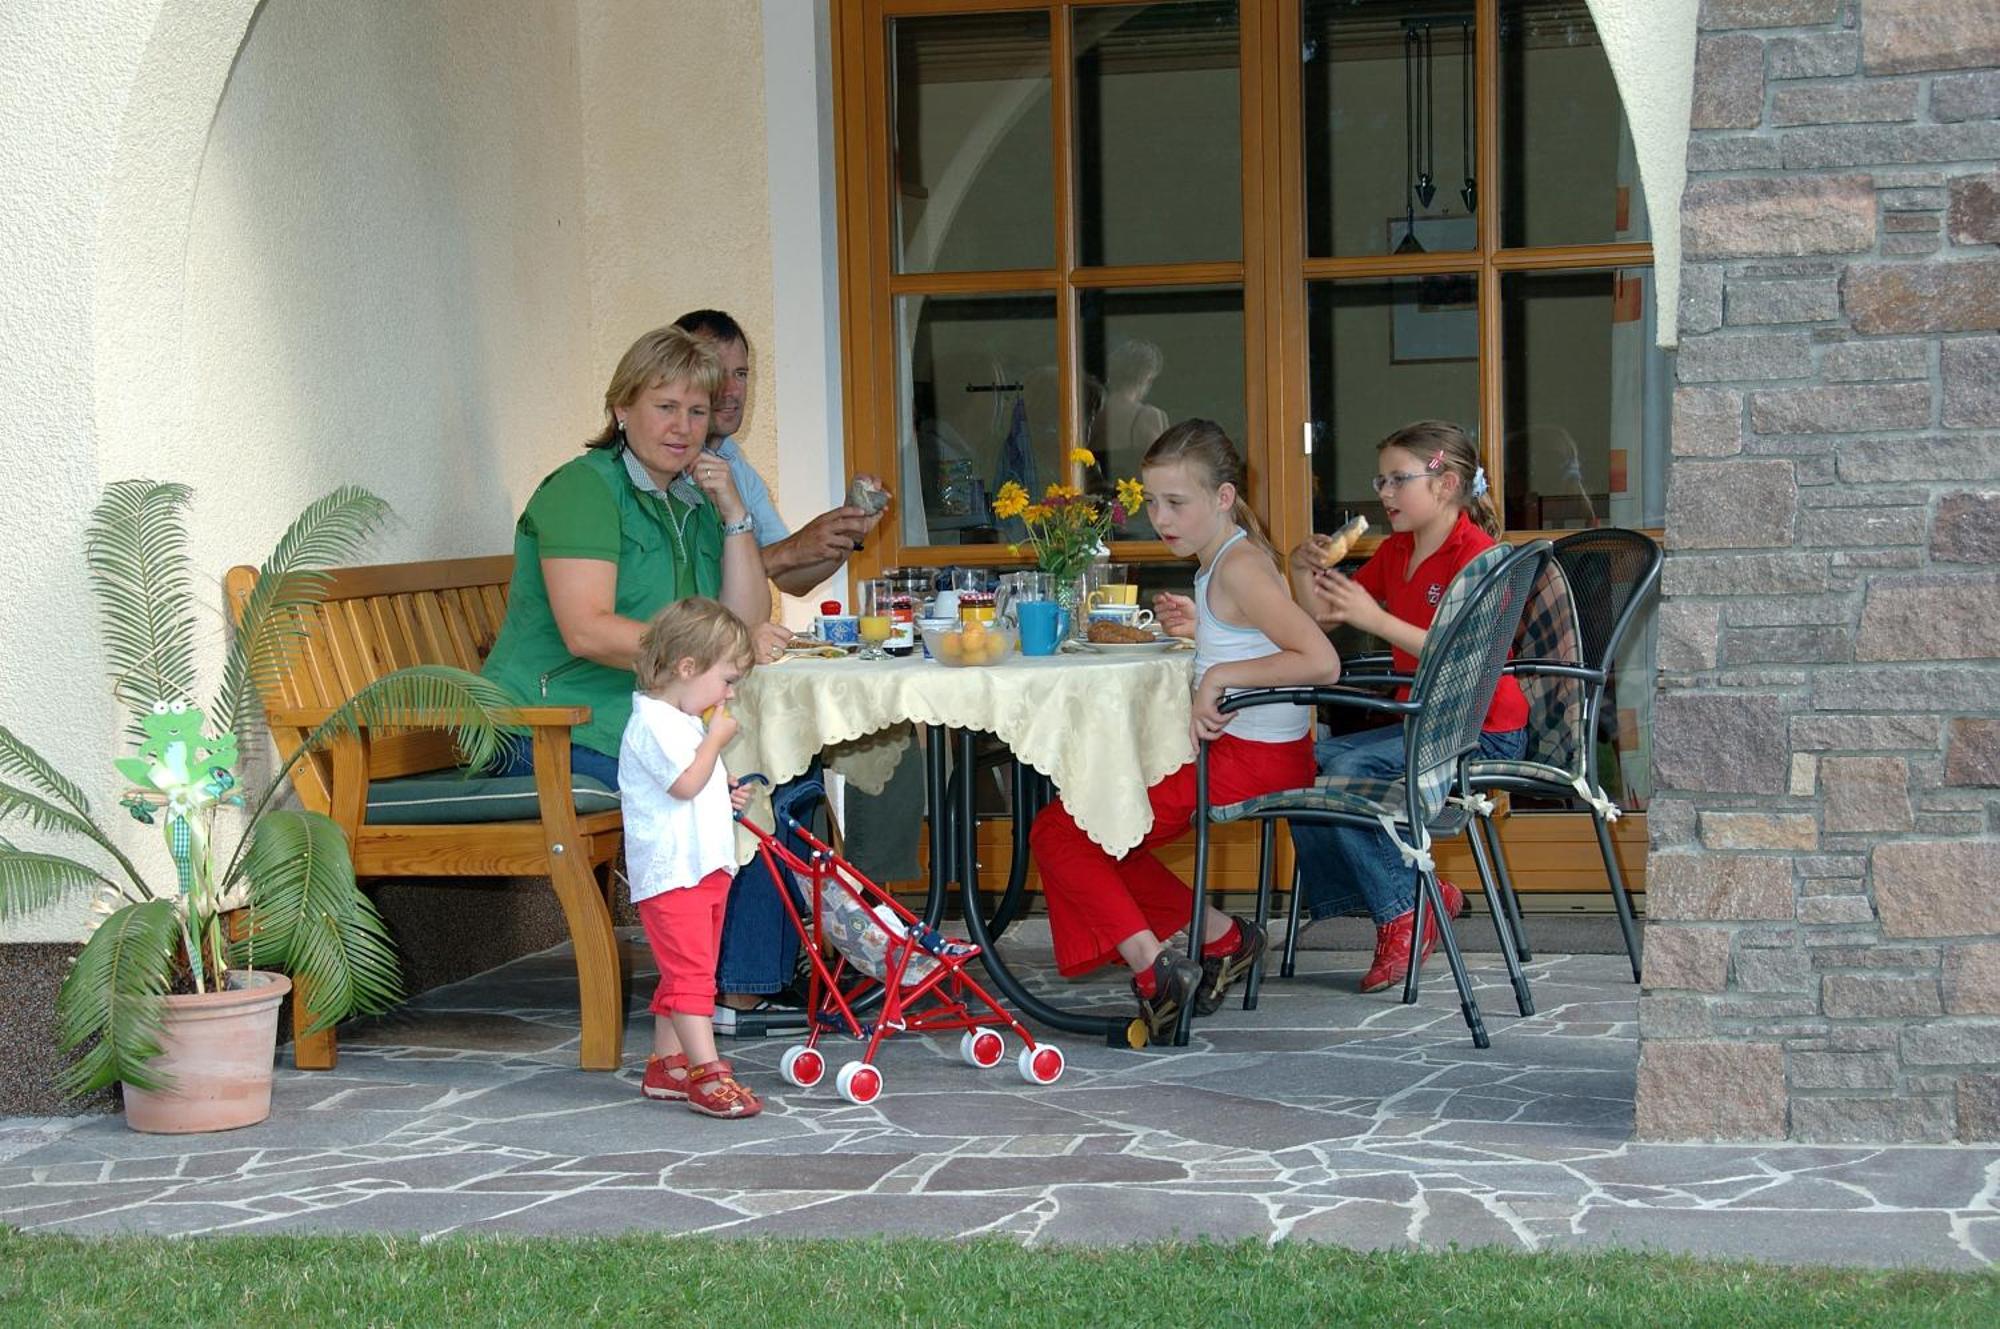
point(1823, 948)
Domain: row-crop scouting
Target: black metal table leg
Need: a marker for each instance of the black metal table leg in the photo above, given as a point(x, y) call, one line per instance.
point(966, 832)
point(934, 805)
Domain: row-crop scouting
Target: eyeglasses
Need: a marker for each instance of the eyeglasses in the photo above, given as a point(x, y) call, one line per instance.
point(1386, 484)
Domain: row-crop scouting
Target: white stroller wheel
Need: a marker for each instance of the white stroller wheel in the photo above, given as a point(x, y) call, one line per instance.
point(859, 1083)
point(1041, 1064)
point(982, 1048)
point(802, 1066)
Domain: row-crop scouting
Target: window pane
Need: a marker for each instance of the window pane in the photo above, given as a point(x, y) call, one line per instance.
point(1152, 358)
point(974, 186)
point(977, 405)
point(1158, 130)
point(1388, 129)
point(1588, 399)
point(1383, 353)
point(1567, 171)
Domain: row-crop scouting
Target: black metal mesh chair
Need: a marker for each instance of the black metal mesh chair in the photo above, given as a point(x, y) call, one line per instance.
point(1468, 645)
point(1600, 583)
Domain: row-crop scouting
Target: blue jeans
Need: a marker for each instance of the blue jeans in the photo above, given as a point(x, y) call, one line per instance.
point(759, 944)
point(1352, 869)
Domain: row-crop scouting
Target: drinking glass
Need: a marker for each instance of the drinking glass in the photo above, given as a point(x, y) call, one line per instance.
point(875, 625)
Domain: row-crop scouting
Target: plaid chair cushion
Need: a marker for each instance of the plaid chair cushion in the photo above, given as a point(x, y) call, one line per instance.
point(1434, 782)
point(1477, 770)
point(1549, 631)
point(1358, 796)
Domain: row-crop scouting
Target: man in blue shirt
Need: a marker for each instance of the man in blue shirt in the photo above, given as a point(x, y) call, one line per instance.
point(797, 563)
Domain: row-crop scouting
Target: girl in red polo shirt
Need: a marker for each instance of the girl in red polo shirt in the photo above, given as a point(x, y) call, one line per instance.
point(1433, 490)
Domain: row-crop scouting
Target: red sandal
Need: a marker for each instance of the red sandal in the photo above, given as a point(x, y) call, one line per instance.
point(714, 1092)
point(667, 1078)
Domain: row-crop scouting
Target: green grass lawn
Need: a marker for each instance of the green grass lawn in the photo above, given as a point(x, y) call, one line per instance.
point(676, 1282)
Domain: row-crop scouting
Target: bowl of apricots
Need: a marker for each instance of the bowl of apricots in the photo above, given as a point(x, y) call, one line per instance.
point(969, 643)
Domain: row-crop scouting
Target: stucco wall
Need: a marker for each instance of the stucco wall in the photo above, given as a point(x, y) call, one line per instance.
point(339, 244)
point(673, 134)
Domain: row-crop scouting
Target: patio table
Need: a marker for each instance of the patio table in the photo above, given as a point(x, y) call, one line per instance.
point(1101, 728)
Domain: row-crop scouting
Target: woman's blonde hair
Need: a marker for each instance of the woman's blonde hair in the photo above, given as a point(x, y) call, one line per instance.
point(696, 629)
point(664, 355)
point(1203, 444)
point(1445, 449)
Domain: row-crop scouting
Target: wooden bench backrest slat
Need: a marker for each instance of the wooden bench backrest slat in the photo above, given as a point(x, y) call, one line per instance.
point(372, 621)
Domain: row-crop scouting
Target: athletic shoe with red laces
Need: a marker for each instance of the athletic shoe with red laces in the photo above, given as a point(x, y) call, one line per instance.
point(1218, 972)
point(1392, 941)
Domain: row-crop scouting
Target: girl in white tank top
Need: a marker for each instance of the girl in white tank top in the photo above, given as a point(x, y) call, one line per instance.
point(1248, 633)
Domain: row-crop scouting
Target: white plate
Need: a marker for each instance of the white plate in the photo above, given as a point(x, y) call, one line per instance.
point(1160, 647)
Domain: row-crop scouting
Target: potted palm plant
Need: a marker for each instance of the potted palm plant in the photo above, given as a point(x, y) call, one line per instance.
point(176, 992)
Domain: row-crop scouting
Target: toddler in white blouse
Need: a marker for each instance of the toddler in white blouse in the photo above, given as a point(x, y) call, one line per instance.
point(680, 841)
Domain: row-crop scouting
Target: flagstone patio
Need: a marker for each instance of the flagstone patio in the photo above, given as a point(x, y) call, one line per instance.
point(1323, 1116)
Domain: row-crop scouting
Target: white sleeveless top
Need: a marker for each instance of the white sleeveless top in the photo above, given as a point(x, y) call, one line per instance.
point(1217, 642)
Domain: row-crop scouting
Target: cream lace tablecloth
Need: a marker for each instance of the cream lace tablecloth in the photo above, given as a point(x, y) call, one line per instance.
point(1104, 729)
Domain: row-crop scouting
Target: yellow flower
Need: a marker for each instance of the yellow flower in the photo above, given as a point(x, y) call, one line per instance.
point(1131, 495)
point(1056, 493)
point(1010, 501)
point(1086, 513)
point(1083, 456)
point(1014, 551)
point(1035, 512)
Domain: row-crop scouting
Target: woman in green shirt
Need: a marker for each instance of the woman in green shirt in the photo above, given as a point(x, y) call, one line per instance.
point(642, 518)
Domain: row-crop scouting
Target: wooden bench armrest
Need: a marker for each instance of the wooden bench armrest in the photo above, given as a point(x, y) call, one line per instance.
point(533, 717)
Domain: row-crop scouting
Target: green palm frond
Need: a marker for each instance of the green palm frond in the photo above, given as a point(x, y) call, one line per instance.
point(111, 999)
point(45, 816)
point(467, 705)
point(136, 546)
point(307, 918)
point(23, 762)
point(53, 819)
point(289, 584)
point(31, 881)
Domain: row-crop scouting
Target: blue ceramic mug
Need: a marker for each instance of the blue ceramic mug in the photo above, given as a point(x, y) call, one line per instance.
point(1041, 626)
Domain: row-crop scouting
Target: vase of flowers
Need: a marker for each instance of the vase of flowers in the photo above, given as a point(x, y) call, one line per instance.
point(1068, 529)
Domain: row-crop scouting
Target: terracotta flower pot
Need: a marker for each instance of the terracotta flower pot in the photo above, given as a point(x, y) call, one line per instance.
point(216, 1050)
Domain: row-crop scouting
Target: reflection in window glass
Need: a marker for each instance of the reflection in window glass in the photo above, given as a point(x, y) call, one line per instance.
point(1152, 358)
point(978, 405)
point(974, 185)
point(1383, 353)
point(1158, 133)
point(1587, 400)
point(1388, 126)
point(1568, 175)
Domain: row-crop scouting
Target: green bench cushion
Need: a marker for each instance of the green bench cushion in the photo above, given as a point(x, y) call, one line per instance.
point(454, 798)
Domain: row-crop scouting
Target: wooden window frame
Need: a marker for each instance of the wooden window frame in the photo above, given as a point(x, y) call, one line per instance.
point(1273, 273)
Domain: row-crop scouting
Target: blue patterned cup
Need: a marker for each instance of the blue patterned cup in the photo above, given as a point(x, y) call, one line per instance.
point(840, 629)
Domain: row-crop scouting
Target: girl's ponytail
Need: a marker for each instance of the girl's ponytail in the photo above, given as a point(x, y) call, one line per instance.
point(1203, 443)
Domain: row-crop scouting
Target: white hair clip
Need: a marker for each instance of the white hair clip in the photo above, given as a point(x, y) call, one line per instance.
point(1479, 482)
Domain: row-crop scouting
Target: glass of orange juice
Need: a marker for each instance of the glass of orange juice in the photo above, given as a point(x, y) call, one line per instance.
point(875, 626)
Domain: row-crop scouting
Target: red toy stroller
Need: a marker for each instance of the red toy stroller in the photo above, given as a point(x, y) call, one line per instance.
point(912, 976)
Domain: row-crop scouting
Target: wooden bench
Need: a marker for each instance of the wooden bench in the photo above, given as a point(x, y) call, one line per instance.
point(372, 621)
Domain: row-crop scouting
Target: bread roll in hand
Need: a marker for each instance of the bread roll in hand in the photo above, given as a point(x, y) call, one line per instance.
point(1335, 547)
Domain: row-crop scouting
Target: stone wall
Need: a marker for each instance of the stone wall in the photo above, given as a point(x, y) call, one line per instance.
point(1823, 953)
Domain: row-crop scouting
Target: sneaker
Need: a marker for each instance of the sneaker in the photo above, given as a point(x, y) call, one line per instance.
point(666, 1078)
point(1392, 941)
point(1177, 979)
point(1220, 972)
point(769, 1013)
point(713, 1092)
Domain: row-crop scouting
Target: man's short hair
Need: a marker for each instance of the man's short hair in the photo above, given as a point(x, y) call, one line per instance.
point(713, 324)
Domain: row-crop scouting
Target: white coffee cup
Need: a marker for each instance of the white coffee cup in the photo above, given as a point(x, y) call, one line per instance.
point(1131, 616)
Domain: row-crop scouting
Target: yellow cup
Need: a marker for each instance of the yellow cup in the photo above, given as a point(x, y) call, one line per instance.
point(1114, 593)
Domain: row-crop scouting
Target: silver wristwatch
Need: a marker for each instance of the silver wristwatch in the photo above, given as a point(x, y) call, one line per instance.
point(742, 526)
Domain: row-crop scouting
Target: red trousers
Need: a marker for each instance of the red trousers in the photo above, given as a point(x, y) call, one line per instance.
point(1096, 901)
point(684, 928)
